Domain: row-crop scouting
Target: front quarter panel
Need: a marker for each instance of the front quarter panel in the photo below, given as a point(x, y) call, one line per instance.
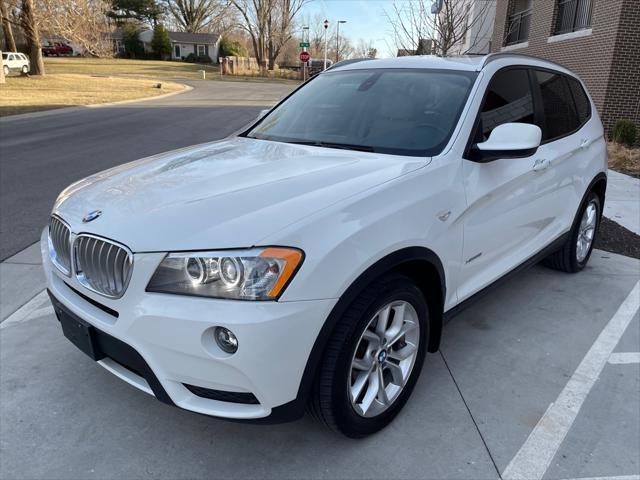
point(343, 241)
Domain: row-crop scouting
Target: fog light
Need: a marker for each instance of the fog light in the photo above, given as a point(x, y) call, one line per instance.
point(226, 340)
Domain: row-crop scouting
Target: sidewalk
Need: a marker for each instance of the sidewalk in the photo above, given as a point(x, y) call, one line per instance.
point(622, 204)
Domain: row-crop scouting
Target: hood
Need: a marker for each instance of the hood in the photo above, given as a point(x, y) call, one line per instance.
point(227, 194)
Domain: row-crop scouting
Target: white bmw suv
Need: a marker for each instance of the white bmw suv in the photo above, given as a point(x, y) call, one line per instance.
point(312, 259)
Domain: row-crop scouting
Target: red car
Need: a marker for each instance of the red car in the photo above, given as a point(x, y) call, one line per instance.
point(57, 49)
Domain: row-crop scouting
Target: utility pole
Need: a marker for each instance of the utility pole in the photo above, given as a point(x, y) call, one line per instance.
point(338, 40)
point(326, 27)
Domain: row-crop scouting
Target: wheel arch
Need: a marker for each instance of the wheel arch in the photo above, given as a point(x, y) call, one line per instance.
point(599, 186)
point(420, 264)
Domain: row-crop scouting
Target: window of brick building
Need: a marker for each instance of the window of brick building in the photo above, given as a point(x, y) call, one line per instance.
point(573, 15)
point(518, 21)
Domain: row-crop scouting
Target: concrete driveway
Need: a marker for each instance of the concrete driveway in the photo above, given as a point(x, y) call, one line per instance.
point(48, 152)
point(525, 386)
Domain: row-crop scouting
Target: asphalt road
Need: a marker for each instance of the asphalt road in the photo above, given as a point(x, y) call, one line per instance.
point(41, 155)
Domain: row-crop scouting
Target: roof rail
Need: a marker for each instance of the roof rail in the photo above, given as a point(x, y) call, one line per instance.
point(498, 55)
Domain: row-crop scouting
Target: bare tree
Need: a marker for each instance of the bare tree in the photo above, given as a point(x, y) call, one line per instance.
point(269, 23)
point(448, 30)
point(366, 49)
point(84, 22)
point(197, 16)
point(31, 29)
point(6, 27)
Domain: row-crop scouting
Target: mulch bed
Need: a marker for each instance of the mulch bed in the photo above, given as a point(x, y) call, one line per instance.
point(613, 237)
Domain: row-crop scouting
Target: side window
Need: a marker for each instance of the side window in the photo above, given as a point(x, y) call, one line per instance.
point(508, 100)
point(10, 57)
point(583, 106)
point(560, 113)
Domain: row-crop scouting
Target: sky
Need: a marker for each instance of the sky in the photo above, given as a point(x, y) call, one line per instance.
point(365, 19)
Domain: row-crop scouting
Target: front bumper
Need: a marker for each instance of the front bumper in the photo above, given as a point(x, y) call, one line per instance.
point(174, 336)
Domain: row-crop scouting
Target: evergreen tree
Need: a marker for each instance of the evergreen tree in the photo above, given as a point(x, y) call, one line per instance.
point(160, 43)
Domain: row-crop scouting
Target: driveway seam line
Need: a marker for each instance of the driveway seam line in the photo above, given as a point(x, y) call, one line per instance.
point(464, 401)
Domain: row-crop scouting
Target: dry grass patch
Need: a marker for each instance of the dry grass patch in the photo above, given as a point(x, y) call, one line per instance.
point(123, 67)
point(624, 159)
point(152, 68)
point(29, 94)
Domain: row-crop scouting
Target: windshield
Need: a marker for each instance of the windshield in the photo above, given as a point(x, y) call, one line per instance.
point(396, 111)
point(4, 56)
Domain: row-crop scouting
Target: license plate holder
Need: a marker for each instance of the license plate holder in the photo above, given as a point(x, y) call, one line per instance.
point(78, 332)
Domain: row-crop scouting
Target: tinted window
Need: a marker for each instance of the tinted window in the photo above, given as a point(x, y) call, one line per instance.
point(559, 110)
point(508, 100)
point(408, 112)
point(583, 107)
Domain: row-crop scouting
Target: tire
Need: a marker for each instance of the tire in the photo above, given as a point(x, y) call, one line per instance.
point(570, 257)
point(25, 70)
point(331, 400)
point(6, 70)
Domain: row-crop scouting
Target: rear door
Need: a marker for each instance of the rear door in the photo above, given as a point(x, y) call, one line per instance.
point(511, 202)
point(566, 142)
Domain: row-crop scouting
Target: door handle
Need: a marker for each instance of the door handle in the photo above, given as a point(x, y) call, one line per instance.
point(584, 143)
point(541, 164)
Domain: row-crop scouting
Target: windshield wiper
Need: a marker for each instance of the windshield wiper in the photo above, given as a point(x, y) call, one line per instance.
point(341, 146)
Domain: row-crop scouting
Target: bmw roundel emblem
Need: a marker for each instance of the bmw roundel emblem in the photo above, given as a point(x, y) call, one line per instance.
point(91, 216)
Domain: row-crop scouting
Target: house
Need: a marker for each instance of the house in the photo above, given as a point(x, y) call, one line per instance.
point(185, 43)
point(597, 39)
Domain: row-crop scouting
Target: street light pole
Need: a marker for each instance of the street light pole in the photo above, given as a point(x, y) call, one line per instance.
point(338, 40)
point(326, 27)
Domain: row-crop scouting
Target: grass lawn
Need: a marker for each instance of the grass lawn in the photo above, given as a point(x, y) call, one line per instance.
point(28, 94)
point(144, 68)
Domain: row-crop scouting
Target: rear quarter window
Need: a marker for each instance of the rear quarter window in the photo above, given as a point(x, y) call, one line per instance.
point(583, 106)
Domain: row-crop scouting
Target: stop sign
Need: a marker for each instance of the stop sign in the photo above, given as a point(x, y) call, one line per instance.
point(305, 57)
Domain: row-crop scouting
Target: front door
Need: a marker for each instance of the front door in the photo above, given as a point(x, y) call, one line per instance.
point(178, 56)
point(510, 201)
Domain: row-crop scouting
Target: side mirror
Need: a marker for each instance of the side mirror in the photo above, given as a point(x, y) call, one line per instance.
point(509, 140)
point(263, 113)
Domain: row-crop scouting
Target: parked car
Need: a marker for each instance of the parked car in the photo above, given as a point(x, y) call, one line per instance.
point(16, 62)
point(312, 259)
point(58, 49)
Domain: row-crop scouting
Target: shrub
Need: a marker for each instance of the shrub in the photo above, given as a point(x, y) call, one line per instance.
point(625, 132)
point(191, 58)
point(203, 59)
point(232, 48)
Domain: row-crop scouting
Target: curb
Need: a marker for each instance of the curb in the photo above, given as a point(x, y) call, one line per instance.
point(78, 108)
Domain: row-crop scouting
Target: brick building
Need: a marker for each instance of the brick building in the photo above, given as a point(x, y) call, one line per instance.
point(597, 39)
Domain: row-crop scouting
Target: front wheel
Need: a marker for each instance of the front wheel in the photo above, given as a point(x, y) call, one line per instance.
point(25, 69)
point(6, 70)
point(373, 358)
point(575, 253)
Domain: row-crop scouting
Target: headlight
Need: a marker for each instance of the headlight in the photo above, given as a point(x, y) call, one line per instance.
point(256, 274)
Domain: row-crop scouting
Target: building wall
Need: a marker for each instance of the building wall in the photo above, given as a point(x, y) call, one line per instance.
point(606, 56)
point(478, 38)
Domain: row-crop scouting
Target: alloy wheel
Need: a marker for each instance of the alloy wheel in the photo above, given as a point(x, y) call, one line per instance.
point(384, 358)
point(586, 231)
